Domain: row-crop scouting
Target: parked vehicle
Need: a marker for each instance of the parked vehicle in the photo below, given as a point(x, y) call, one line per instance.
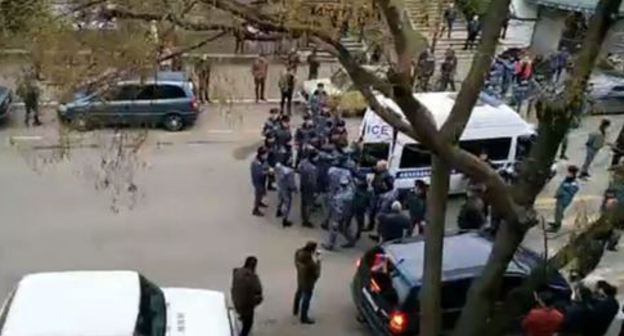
point(607, 94)
point(387, 282)
point(6, 98)
point(165, 99)
point(493, 127)
point(123, 303)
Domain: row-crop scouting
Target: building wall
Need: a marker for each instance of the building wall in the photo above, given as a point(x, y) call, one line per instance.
point(548, 30)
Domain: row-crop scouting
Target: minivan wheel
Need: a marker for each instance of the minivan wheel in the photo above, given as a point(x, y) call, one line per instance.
point(173, 122)
point(80, 123)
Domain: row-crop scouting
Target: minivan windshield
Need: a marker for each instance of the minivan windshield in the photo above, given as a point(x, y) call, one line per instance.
point(152, 319)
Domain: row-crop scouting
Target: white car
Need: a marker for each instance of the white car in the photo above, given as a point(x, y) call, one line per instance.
point(111, 303)
point(339, 83)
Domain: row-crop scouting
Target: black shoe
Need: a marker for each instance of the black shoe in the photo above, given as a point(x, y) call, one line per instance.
point(263, 205)
point(278, 214)
point(271, 188)
point(307, 321)
point(308, 225)
point(584, 175)
point(286, 223)
point(325, 226)
point(257, 213)
point(327, 247)
point(373, 237)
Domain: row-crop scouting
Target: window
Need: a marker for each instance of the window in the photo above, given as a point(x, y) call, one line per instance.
point(524, 147)
point(148, 92)
point(123, 92)
point(169, 92)
point(152, 317)
point(415, 156)
point(373, 152)
point(496, 148)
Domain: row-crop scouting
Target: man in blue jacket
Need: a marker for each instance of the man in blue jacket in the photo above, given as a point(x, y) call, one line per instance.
point(564, 196)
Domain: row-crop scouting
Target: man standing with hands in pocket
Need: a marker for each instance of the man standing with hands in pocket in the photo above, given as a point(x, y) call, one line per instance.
point(308, 264)
point(246, 293)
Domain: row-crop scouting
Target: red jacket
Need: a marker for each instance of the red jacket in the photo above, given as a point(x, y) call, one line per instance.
point(542, 322)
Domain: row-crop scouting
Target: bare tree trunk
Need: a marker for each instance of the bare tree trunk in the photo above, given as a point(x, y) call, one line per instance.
point(430, 317)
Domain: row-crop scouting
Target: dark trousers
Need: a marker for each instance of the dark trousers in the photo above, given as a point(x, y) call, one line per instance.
point(470, 41)
point(302, 303)
point(449, 26)
point(360, 219)
point(286, 99)
point(246, 319)
point(258, 195)
point(34, 111)
point(259, 88)
point(313, 74)
point(307, 203)
point(447, 81)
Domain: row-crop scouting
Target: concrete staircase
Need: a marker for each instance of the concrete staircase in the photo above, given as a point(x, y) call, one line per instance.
point(352, 44)
point(423, 16)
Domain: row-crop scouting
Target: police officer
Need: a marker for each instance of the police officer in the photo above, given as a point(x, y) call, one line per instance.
point(308, 178)
point(416, 201)
point(324, 162)
point(272, 123)
point(340, 210)
point(304, 135)
point(283, 134)
point(339, 136)
point(286, 186)
point(259, 172)
point(318, 99)
point(361, 199)
point(271, 158)
point(382, 182)
point(336, 173)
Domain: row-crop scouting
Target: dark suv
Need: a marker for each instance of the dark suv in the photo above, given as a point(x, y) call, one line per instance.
point(387, 282)
point(165, 99)
point(5, 102)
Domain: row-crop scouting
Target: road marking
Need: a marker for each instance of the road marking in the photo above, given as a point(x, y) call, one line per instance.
point(25, 137)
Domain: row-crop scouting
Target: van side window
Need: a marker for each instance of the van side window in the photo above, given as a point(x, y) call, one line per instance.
point(373, 152)
point(123, 92)
point(415, 156)
point(497, 148)
point(148, 92)
point(169, 92)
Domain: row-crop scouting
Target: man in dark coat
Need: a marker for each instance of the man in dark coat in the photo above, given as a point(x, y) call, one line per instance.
point(605, 308)
point(474, 27)
point(308, 266)
point(471, 216)
point(246, 293)
point(416, 202)
point(393, 225)
point(382, 182)
point(259, 172)
point(29, 92)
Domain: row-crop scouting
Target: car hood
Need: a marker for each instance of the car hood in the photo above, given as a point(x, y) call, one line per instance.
point(196, 312)
point(310, 85)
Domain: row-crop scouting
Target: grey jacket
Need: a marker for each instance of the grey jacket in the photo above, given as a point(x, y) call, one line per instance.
point(308, 176)
point(595, 141)
point(258, 174)
point(286, 183)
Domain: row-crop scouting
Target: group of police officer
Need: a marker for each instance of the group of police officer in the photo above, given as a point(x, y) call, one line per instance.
point(331, 181)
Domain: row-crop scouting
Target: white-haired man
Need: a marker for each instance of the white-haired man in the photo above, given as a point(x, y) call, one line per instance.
point(393, 225)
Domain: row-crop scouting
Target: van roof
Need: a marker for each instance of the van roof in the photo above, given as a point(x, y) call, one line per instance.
point(164, 77)
point(488, 113)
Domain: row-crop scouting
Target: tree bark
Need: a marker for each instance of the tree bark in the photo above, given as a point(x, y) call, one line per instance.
point(430, 309)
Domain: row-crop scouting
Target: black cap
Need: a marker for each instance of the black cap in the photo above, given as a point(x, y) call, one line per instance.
point(285, 118)
point(341, 122)
point(261, 151)
point(274, 111)
point(573, 169)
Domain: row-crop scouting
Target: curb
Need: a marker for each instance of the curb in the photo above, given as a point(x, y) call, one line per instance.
point(53, 103)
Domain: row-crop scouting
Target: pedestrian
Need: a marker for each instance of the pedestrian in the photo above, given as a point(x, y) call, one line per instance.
point(574, 123)
point(416, 201)
point(524, 69)
point(239, 36)
point(283, 134)
point(259, 172)
point(505, 26)
point(381, 183)
point(272, 123)
point(543, 320)
point(292, 60)
point(313, 65)
point(471, 214)
point(287, 88)
point(286, 186)
point(605, 308)
point(260, 70)
point(448, 70)
point(508, 68)
point(450, 14)
point(308, 179)
point(559, 62)
point(393, 225)
point(361, 200)
point(595, 142)
point(577, 314)
point(564, 196)
point(520, 92)
point(474, 27)
point(272, 149)
point(246, 293)
point(29, 92)
point(618, 149)
point(318, 99)
point(426, 68)
point(340, 207)
point(205, 74)
point(308, 265)
point(303, 136)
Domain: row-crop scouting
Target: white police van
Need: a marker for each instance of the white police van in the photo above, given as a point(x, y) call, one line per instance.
point(493, 127)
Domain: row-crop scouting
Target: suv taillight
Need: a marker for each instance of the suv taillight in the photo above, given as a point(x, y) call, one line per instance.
point(195, 104)
point(398, 322)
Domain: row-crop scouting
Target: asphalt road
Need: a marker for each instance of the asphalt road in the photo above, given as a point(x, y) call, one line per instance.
point(189, 223)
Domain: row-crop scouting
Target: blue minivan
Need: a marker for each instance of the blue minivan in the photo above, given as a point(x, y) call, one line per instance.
point(165, 99)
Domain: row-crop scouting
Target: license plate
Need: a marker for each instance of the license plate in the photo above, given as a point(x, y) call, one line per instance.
point(370, 300)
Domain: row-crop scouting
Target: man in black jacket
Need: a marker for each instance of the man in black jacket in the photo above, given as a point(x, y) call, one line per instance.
point(605, 308)
point(246, 293)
